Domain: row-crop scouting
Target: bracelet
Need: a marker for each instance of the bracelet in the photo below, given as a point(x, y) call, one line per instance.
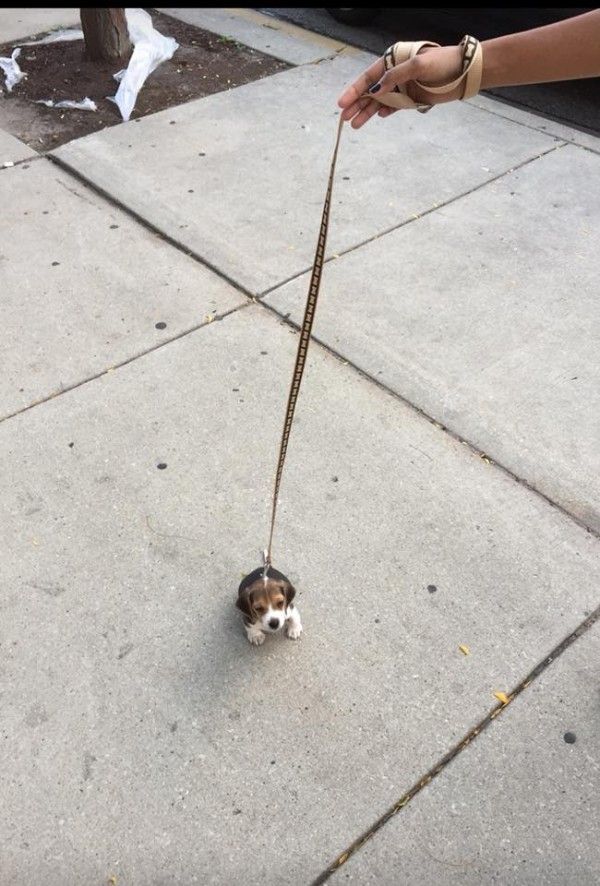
point(472, 65)
point(472, 69)
point(470, 76)
point(395, 55)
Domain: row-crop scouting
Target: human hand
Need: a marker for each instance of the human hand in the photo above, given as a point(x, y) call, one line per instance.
point(432, 66)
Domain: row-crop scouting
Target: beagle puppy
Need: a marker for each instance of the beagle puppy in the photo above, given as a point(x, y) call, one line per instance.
point(265, 600)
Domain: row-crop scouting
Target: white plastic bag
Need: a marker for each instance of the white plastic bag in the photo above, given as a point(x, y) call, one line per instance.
point(12, 71)
point(85, 105)
point(150, 49)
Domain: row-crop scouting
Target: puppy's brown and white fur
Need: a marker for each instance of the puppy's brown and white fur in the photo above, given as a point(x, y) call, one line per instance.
point(266, 602)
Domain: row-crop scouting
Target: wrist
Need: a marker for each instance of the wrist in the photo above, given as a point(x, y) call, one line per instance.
point(468, 55)
point(492, 74)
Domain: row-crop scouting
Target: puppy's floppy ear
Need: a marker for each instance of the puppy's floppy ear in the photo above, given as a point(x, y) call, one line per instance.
point(244, 602)
point(290, 592)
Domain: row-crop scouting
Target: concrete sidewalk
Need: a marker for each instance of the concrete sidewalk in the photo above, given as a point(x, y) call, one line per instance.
point(18, 22)
point(471, 263)
point(145, 741)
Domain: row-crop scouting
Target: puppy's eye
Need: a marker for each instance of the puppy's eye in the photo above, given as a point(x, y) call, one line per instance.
point(279, 604)
point(260, 609)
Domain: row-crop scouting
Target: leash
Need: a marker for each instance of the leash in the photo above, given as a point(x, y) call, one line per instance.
point(303, 343)
point(470, 77)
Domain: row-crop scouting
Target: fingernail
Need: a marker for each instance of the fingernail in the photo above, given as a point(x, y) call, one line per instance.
point(375, 88)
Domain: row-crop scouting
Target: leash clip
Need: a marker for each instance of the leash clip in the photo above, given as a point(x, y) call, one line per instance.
point(267, 563)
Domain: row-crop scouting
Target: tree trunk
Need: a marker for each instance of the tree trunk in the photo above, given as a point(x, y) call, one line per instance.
point(105, 32)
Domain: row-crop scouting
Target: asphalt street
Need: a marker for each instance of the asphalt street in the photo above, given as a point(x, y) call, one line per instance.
point(574, 103)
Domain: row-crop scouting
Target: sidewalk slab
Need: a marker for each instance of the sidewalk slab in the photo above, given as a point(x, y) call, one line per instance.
point(519, 806)
point(537, 121)
point(257, 158)
point(12, 150)
point(84, 285)
point(19, 22)
point(284, 41)
point(143, 737)
point(485, 314)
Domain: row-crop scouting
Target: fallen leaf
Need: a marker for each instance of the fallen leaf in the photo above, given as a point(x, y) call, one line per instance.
point(501, 696)
point(465, 650)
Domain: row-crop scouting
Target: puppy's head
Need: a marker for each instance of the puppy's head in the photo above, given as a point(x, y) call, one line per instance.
point(266, 602)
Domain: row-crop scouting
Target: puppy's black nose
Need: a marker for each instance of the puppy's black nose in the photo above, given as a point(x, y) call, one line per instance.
point(274, 624)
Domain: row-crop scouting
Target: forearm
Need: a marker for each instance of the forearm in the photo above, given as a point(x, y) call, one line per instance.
point(566, 50)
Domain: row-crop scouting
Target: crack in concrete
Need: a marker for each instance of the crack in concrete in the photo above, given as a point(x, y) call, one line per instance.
point(455, 435)
point(417, 216)
point(76, 193)
point(84, 381)
point(460, 746)
point(525, 109)
point(147, 224)
point(25, 160)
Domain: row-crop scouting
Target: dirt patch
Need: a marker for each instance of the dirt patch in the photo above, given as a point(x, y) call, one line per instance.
point(204, 64)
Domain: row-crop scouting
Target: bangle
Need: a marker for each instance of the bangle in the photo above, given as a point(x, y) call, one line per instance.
point(470, 76)
point(472, 65)
point(396, 55)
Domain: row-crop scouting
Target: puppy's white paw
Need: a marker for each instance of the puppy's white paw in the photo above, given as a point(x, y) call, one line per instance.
point(257, 638)
point(293, 631)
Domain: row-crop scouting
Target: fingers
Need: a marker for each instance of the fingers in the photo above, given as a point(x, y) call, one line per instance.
point(357, 107)
point(365, 114)
point(398, 76)
point(362, 111)
point(354, 108)
point(353, 92)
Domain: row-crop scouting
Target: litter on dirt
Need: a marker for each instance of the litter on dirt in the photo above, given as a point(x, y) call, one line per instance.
point(12, 72)
point(85, 105)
